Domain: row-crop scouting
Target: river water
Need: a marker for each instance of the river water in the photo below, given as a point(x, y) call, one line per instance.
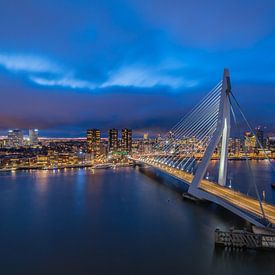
point(123, 221)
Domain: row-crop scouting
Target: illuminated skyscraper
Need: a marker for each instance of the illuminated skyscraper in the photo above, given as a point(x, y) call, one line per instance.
point(249, 142)
point(234, 146)
point(93, 141)
point(113, 140)
point(126, 143)
point(260, 137)
point(15, 138)
point(145, 145)
point(271, 143)
point(33, 136)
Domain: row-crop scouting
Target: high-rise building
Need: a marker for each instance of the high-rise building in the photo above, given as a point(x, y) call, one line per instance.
point(145, 145)
point(249, 143)
point(126, 143)
point(234, 146)
point(15, 138)
point(93, 141)
point(33, 136)
point(271, 142)
point(260, 137)
point(113, 140)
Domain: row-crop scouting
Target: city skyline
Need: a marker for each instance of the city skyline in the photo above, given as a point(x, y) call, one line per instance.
point(118, 64)
point(137, 136)
point(104, 133)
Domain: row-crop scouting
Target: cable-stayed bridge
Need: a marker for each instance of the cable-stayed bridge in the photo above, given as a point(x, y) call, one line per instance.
point(187, 149)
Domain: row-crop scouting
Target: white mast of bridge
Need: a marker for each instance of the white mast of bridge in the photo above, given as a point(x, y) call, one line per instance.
point(225, 123)
point(222, 133)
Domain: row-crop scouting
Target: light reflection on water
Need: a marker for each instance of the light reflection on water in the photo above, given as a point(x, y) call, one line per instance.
point(123, 221)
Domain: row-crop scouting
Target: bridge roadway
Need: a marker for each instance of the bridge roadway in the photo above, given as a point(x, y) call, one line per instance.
point(236, 199)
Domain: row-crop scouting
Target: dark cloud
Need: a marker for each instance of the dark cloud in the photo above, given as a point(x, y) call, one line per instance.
point(211, 23)
point(70, 65)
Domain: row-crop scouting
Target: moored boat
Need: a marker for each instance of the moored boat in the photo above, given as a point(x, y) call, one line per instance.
point(102, 166)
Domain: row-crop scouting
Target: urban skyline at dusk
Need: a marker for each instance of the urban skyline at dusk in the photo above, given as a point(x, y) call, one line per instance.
point(137, 137)
point(130, 63)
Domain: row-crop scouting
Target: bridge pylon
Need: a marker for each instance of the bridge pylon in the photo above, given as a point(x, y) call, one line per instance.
point(198, 134)
point(221, 133)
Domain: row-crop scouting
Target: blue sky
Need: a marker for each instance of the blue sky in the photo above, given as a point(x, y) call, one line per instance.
point(66, 66)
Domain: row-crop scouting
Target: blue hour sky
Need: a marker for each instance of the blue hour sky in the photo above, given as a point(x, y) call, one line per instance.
point(66, 66)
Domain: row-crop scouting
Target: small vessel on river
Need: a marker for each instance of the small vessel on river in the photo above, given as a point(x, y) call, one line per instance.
point(102, 166)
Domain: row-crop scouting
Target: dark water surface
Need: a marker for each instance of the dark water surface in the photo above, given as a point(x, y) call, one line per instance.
point(112, 222)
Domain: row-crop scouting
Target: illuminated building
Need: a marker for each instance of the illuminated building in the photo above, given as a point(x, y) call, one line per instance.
point(113, 140)
point(260, 137)
point(126, 142)
point(249, 143)
point(145, 144)
point(158, 138)
point(15, 138)
point(271, 145)
point(42, 160)
point(271, 142)
point(33, 136)
point(104, 148)
point(93, 142)
point(234, 147)
point(3, 142)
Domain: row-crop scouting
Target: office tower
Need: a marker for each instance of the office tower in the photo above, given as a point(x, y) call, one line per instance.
point(15, 138)
point(113, 140)
point(260, 137)
point(33, 136)
point(145, 144)
point(249, 142)
point(271, 142)
point(234, 146)
point(93, 141)
point(126, 143)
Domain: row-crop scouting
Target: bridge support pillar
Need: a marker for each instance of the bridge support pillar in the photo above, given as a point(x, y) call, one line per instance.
point(226, 89)
point(222, 130)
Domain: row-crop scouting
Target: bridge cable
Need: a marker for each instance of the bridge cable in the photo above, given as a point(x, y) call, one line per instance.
point(192, 126)
point(251, 129)
point(246, 156)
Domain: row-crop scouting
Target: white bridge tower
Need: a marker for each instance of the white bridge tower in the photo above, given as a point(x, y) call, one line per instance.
point(222, 133)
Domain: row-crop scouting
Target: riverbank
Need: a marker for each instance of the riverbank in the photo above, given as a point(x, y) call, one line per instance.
point(92, 166)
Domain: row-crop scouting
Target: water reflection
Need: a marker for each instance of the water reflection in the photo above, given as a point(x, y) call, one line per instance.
point(75, 221)
point(243, 260)
point(79, 190)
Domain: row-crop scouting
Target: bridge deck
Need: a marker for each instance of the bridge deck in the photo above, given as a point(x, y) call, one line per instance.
point(237, 199)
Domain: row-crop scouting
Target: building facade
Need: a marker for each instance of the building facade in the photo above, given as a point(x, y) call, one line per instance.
point(249, 143)
point(260, 137)
point(93, 142)
point(15, 138)
point(126, 141)
point(113, 140)
point(33, 137)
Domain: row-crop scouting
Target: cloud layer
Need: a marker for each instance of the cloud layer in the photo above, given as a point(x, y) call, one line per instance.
point(77, 64)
